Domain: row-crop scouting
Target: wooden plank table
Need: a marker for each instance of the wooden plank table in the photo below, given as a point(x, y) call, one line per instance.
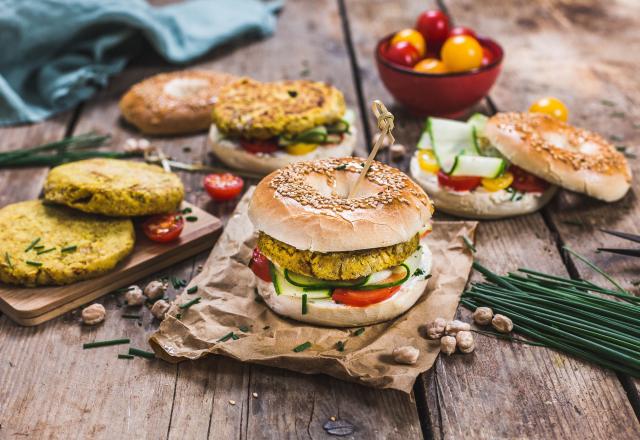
point(583, 53)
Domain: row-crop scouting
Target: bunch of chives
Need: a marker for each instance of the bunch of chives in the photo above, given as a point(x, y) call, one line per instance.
point(572, 316)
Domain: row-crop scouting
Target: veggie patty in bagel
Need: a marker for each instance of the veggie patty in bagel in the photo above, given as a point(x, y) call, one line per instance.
point(331, 260)
point(261, 127)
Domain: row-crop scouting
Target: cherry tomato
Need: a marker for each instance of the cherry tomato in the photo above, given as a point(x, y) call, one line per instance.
point(223, 186)
point(551, 106)
point(259, 264)
point(259, 146)
point(164, 227)
point(402, 53)
point(487, 57)
point(363, 298)
point(526, 182)
point(461, 30)
point(459, 183)
point(434, 27)
point(496, 184)
point(461, 53)
point(427, 161)
point(412, 37)
point(430, 65)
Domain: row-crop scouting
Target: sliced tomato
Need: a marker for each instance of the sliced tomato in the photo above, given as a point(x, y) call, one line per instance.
point(526, 182)
point(459, 183)
point(266, 146)
point(363, 298)
point(164, 227)
point(259, 264)
point(224, 186)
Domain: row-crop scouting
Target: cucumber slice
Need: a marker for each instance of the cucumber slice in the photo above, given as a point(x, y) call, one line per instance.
point(283, 287)
point(449, 139)
point(478, 121)
point(394, 277)
point(424, 143)
point(339, 127)
point(478, 166)
point(310, 283)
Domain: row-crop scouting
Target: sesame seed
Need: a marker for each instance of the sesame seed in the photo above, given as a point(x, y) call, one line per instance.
point(232, 402)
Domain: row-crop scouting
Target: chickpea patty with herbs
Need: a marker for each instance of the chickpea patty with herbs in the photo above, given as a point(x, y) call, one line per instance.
point(112, 187)
point(44, 244)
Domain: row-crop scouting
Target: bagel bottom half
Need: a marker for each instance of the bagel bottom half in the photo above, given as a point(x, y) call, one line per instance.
point(330, 314)
point(482, 205)
point(232, 155)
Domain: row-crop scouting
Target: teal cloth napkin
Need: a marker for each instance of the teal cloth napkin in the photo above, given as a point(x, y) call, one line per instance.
point(57, 53)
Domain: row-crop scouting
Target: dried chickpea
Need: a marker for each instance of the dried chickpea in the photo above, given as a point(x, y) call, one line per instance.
point(160, 309)
point(448, 345)
point(134, 296)
point(406, 355)
point(154, 290)
point(502, 324)
point(94, 314)
point(465, 341)
point(456, 326)
point(483, 316)
point(435, 329)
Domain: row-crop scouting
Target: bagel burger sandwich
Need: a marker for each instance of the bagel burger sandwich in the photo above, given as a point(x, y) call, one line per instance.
point(261, 127)
point(510, 164)
point(331, 260)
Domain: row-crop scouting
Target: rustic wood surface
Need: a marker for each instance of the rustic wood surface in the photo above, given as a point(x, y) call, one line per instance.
point(581, 52)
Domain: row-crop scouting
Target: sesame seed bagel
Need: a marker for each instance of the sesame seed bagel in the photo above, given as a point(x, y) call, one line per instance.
point(173, 103)
point(560, 153)
point(305, 205)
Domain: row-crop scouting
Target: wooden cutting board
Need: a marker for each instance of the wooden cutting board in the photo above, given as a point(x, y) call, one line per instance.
point(34, 305)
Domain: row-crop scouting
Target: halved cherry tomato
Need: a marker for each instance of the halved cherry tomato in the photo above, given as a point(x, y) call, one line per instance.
point(266, 146)
point(551, 106)
point(259, 264)
point(461, 53)
point(300, 148)
point(430, 65)
point(526, 182)
point(459, 183)
point(223, 186)
point(434, 27)
point(412, 37)
point(164, 227)
point(402, 53)
point(363, 298)
point(461, 30)
point(427, 161)
point(497, 183)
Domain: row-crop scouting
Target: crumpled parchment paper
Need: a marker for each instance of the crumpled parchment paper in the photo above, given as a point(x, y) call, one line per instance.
point(229, 303)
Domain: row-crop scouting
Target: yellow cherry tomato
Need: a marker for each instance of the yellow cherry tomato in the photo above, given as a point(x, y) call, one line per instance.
point(430, 65)
point(461, 52)
point(551, 106)
point(427, 161)
point(501, 182)
point(300, 148)
point(413, 37)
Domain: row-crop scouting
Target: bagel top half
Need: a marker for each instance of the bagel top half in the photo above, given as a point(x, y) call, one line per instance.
point(560, 153)
point(305, 206)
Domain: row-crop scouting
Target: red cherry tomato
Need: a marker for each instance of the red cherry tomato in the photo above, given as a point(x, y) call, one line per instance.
point(164, 227)
point(461, 30)
point(487, 57)
point(526, 182)
point(254, 146)
point(402, 53)
point(459, 183)
point(223, 186)
point(434, 27)
point(363, 298)
point(259, 264)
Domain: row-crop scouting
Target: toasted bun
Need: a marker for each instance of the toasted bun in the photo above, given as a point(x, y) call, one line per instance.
point(232, 155)
point(560, 153)
point(305, 205)
point(173, 103)
point(331, 314)
point(479, 204)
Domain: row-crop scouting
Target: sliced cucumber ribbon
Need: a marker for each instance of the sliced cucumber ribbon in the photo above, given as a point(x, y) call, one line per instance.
point(321, 134)
point(478, 166)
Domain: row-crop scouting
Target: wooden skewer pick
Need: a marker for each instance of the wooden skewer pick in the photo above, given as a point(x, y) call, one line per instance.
point(385, 125)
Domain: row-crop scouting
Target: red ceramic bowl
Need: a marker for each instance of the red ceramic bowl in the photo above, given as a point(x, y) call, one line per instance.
point(449, 94)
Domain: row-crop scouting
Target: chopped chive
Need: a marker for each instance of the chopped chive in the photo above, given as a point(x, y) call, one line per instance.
point(573, 222)
point(33, 263)
point(468, 243)
point(105, 343)
point(340, 346)
point(130, 316)
point(266, 327)
point(607, 103)
point(38, 247)
point(141, 353)
point(7, 258)
point(359, 331)
point(179, 316)
point(69, 248)
point(341, 167)
point(187, 210)
point(190, 303)
point(419, 271)
point(226, 337)
point(33, 243)
point(302, 347)
point(125, 356)
point(46, 251)
point(192, 289)
point(304, 303)
point(235, 337)
point(191, 218)
point(243, 329)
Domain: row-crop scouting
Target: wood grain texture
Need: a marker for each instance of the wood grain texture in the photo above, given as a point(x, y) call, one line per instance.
point(503, 390)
